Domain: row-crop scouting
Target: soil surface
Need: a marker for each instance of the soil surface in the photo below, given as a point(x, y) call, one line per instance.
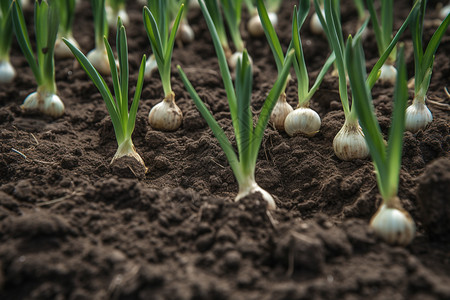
point(72, 227)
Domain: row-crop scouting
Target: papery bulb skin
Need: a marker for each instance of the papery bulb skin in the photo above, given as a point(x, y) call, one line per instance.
point(127, 149)
point(253, 187)
point(280, 112)
point(254, 25)
point(393, 225)
point(388, 74)
point(7, 72)
point(349, 143)
point(418, 116)
point(232, 61)
point(61, 49)
point(166, 115)
point(444, 11)
point(302, 120)
point(185, 32)
point(99, 59)
point(47, 103)
point(150, 66)
point(315, 25)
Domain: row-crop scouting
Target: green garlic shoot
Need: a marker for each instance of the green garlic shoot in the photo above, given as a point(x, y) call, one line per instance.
point(391, 222)
point(98, 56)
point(304, 120)
point(7, 72)
point(254, 24)
point(166, 115)
point(282, 108)
point(216, 16)
point(123, 119)
point(418, 116)
point(43, 66)
point(66, 10)
point(115, 9)
point(185, 34)
point(248, 137)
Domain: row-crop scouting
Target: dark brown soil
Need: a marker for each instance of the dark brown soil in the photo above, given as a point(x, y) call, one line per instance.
point(72, 227)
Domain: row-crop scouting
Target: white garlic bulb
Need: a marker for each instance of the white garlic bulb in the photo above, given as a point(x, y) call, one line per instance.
point(444, 11)
point(150, 66)
point(418, 116)
point(254, 25)
point(388, 74)
point(185, 32)
point(315, 25)
point(99, 59)
point(61, 49)
point(252, 187)
point(349, 143)
point(166, 115)
point(232, 61)
point(112, 16)
point(279, 112)
point(393, 225)
point(302, 120)
point(7, 72)
point(47, 103)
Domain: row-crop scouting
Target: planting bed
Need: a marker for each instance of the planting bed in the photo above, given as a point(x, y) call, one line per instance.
point(72, 227)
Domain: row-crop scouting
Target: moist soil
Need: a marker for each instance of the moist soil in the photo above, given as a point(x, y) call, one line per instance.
point(73, 227)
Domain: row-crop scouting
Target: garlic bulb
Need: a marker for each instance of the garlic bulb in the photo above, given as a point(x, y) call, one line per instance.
point(150, 66)
point(394, 225)
point(418, 116)
point(7, 72)
point(279, 112)
point(388, 74)
point(233, 59)
point(315, 25)
point(252, 187)
point(99, 59)
point(126, 148)
point(166, 115)
point(112, 16)
point(444, 11)
point(302, 120)
point(185, 32)
point(47, 103)
point(349, 142)
point(254, 25)
point(61, 49)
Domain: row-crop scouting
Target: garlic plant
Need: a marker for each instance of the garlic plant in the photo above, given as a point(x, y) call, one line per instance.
point(123, 119)
point(45, 98)
point(185, 34)
point(382, 28)
point(216, 16)
point(98, 56)
point(116, 9)
point(418, 116)
point(7, 72)
point(248, 137)
point(166, 115)
point(391, 222)
point(66, 14)
point(304, 120)
point(254, 24)
point(282, 108)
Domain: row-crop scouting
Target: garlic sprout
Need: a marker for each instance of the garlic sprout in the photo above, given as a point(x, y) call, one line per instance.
point(45, 98)
point(304, 120)
point(123, 119)
point(248, 137)
point(66, 14)
point(391, 222)
point(418, 116)
point(7, 72)
point(166, 115)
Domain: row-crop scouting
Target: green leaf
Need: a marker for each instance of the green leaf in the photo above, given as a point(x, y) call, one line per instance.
point(299, 63)
point(136, 98)
point(216, 17)
point(122, 54)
